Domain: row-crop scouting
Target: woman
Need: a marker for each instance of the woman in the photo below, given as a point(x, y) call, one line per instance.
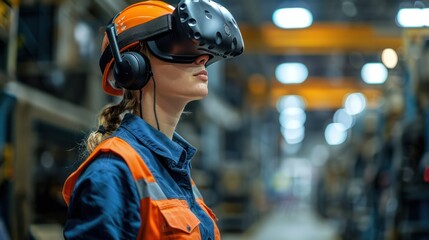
point(136, 182)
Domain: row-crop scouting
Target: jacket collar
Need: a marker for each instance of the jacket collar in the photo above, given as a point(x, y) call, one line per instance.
point(178, 149)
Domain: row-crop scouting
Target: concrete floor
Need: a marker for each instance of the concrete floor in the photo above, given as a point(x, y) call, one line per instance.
point(285, 223)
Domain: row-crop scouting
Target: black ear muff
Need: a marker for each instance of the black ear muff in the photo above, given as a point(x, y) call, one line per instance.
point(131, 70)
point(137, 71)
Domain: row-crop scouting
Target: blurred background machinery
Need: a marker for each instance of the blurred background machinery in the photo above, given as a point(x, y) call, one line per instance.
point(329, 106)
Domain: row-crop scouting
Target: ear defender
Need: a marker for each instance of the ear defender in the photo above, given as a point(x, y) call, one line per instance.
point(131, 70)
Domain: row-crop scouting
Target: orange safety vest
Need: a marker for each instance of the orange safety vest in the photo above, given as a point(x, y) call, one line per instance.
point(161, 218)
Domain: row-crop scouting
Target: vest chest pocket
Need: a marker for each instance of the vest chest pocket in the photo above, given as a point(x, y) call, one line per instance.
point(178, 221)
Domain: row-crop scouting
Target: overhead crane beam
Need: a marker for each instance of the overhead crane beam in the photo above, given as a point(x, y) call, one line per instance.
point(319, 93)
point(320, 38)
point(326, 93)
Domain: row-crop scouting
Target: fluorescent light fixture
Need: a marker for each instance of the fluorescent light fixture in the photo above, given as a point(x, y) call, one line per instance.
point(291, 73)
point(335, 134)
point(355, 103)
point(293, 136)
point(374, 73)
point(290, 101)
point(413, 17)
point(389, 57)
point(292, 18)
point(292, 124)
point(294, 111)
point(292, 117)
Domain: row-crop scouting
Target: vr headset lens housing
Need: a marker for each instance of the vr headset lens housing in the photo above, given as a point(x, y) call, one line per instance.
point(199, 27)
point(169, 49)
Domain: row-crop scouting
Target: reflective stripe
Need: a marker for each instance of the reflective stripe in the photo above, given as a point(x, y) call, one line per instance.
point(197, 193)
point(153, 191)
point(150, 190)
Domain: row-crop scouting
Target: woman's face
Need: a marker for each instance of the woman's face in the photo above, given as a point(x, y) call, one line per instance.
point(183, 82)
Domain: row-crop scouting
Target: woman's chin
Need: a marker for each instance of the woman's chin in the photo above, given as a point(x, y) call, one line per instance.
point(200, 95)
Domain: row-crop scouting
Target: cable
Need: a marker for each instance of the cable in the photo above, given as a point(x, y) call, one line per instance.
point(140, 102)
point(154, 102)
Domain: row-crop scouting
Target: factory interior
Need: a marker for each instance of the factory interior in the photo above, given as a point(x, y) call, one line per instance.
point(319, 130)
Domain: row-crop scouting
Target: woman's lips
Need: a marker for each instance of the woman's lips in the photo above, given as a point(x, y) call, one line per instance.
point(202, 75)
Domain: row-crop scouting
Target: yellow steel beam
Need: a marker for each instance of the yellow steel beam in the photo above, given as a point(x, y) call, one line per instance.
point(320, 38)
point(326, 93)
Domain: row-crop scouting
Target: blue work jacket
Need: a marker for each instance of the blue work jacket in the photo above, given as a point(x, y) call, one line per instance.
point(105, 200)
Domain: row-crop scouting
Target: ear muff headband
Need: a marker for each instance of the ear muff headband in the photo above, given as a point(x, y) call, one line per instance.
point(142, 32)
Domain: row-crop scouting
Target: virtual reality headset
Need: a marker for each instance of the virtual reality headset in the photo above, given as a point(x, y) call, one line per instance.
point(194, 28)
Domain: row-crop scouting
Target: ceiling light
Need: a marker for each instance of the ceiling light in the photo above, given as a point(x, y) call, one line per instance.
point(293, 136)
point(335, 134)
point(413, 17)
point(355, 103)
point(290, 101)
point(291, 73)
point(389, 57)
point(374, 73)
point(292, 124)
point(291, 116)
point(292, 18)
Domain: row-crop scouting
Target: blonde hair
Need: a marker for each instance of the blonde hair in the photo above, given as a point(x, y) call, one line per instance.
point(110, 118)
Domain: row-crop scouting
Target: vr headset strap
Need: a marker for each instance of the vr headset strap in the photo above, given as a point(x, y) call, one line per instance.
point(141, 32)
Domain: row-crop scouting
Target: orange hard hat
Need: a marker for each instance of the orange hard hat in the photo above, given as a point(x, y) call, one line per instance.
point(132, 16)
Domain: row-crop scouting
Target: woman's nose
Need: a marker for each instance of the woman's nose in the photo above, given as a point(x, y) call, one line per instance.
point(202, 59)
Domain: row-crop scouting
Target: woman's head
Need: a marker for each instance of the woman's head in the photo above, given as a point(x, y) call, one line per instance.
point(175, 35)
point(175, 45)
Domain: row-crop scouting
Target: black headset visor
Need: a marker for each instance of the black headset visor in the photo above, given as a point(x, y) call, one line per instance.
point(193, 29)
